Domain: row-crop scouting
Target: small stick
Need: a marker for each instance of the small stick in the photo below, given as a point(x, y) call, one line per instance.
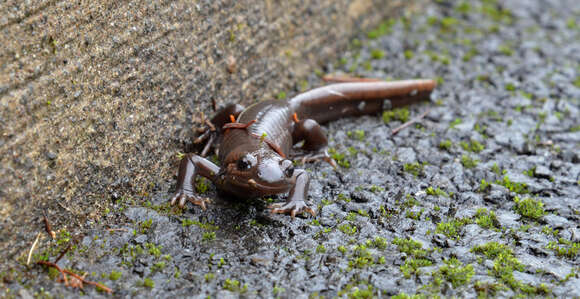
point(47, 226)
point(412, 121)
point(62, 253)
point(80, 278)
point(32, 248)
point(117, 229)
point(346, 79)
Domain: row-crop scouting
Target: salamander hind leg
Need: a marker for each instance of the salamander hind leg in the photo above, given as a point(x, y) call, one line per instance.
point(314, 141)
point(296, 203)
point(214, 126)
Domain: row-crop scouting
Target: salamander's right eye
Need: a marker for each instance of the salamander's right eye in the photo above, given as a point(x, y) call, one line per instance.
point(243, 164)
point(246, 162)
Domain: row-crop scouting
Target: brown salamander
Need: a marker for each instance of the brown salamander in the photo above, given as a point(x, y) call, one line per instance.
point(256, 141)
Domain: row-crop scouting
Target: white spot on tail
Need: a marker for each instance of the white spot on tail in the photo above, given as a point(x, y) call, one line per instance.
point(337, 93)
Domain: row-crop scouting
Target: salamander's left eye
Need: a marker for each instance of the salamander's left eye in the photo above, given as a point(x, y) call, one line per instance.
point(288, 167)
point(246, 162)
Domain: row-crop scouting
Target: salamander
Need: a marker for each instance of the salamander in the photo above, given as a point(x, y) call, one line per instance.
point(256, 141)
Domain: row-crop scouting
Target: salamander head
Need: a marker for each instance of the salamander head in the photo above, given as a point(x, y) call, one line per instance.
point(257, 173)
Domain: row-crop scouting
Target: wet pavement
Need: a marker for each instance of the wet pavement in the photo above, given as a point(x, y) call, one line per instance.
point(481, 197)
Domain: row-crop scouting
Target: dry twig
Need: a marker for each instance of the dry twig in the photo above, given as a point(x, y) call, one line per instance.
point(412, 121)
point(32, 248)
point(77, 281)
point(47, 226)
point(346, 79)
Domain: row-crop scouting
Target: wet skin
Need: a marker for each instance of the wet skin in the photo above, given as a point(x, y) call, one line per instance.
point(256, 141)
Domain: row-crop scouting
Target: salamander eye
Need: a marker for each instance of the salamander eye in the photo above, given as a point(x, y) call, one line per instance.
point(288, 167)
point(246, 162)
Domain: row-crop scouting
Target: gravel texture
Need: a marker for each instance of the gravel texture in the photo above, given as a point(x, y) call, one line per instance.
point(479, 198)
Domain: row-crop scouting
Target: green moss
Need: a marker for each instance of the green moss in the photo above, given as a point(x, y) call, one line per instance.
point(486, 219)
point(158, 266)
point(405, 296)
point(153, 250)
point(409, 54)
point(455, 122)
point(343, 197)
point(454, 272)
point(359, 290)
point(320, 248)
point(351, 216)
point(382, 29)
point(497, 13)
point(577, 81)
point(361, 257)
point(144, 226)
point(564, 248)
point(495, 168)
point(550, 231)
point(484, 186)
point(463, 7)
point(376, 189)
point(348, 229)
point(401, 114)
point(209, 277)
point(413, 168)
point(201, 185)
point(520, 188)
point(363, 213)
point(529, 208)
point(472, 146)
point(233, 285)
point(115, 275)
point(504, 263)
point(487, 289)
point(446, 144)
point(451, 229)
point(468, 162)
point(208, 236)
point(530, 172)
point(412, 265)
point(410, 247)
point(148, 283)
point(281, 95)
point(571, 23)
point(436, 192)
point(358, 134)
point(202, 225)
point(340, 158)
point(378, 242)
point(377, 54)
point(414, 215)
point(448, 23)
point(472, 52)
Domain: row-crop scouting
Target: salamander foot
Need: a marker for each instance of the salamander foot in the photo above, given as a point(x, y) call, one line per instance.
point(292, 208)
point(182, 196)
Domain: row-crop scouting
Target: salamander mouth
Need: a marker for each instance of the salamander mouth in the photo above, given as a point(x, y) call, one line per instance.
point(252, 186)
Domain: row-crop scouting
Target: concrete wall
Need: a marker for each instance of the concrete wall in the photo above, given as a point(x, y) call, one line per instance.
point(97, 97)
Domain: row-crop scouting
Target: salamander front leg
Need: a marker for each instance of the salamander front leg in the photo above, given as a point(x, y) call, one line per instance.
point(296, 203)
point(192, 165)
